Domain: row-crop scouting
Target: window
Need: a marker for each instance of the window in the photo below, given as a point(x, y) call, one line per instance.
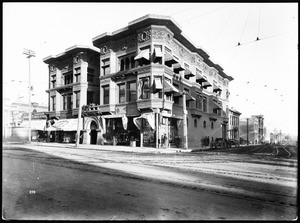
point(204, 124)
point(68, 78)
point(105, 90)
point(132, 62)
point(157, 54)
point(67, 101)
point(195, 123)
point(131, 89)
point(90, 97)
point(122, 65)
point(126, 62)
point(158, 86)
point(168, 96)
point(176, 99)
point(77, 74)
point(77, 96)
point(204, 104)
point(198, 101)
point(105, 66)
point(90, 75)
point(53, 98)
point(145, 88)
point(53, 81)
point(212, 125)
point(121, 93)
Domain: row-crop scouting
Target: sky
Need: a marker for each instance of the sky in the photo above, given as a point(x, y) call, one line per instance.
point(265, 72)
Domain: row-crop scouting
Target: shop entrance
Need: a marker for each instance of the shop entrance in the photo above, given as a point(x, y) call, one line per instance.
point(93, 133)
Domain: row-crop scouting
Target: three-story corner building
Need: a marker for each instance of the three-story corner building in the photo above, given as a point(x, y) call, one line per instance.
point(144, 70)
point(71, 73)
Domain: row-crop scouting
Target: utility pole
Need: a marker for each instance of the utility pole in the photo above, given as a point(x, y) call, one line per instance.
point(185, 137)
point(29, 54)
point(78, 121)
point(247, 131)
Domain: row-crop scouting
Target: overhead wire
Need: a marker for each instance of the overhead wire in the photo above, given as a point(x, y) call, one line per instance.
point(224, 26)
point(245, 25)
point(207, 13)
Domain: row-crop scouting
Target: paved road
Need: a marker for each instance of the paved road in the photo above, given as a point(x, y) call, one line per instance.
point(41, 182)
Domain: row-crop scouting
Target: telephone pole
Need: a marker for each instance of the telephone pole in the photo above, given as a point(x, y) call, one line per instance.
point(29, 54)
point(247, 131)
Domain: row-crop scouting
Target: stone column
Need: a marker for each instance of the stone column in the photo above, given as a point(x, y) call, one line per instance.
point(86, 136)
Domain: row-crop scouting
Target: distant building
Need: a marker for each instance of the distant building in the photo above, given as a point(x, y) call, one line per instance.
point(255, 130)
point(16, 120)
point(233, 124)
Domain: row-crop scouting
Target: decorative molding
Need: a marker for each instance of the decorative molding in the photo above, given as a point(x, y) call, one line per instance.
point(144, 36)
point(52, 68)
point(104, 50)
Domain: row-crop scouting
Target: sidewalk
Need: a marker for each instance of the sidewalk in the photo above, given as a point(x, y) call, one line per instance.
point(112, 148)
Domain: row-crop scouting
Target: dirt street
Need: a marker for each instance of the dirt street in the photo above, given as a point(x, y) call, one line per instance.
point(43, 183)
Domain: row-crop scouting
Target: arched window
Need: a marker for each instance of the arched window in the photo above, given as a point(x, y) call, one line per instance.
point(204, 124)
point(212, 125)
point(132, 61)
point(195, 123)
point(122, 65)
point(127, 63)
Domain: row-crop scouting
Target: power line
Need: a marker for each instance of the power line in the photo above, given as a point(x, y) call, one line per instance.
point(245, 43)
point(207, 13)
point(224, 25)
point(245, 25)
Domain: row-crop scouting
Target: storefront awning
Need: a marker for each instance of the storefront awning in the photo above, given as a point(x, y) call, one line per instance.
point(157, 52)
point(144, 54)
point(169, 88)
point(35, 124)
point(150, 120)
point(65, 125)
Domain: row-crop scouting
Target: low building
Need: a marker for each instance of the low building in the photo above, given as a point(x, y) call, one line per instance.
point(233, 124)
point(252, 129)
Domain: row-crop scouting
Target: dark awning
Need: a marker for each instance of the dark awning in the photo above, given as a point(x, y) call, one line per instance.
point(169, 59)
point(199, 78)
point(188, 74)
point(177, 67)
point(216, 88)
